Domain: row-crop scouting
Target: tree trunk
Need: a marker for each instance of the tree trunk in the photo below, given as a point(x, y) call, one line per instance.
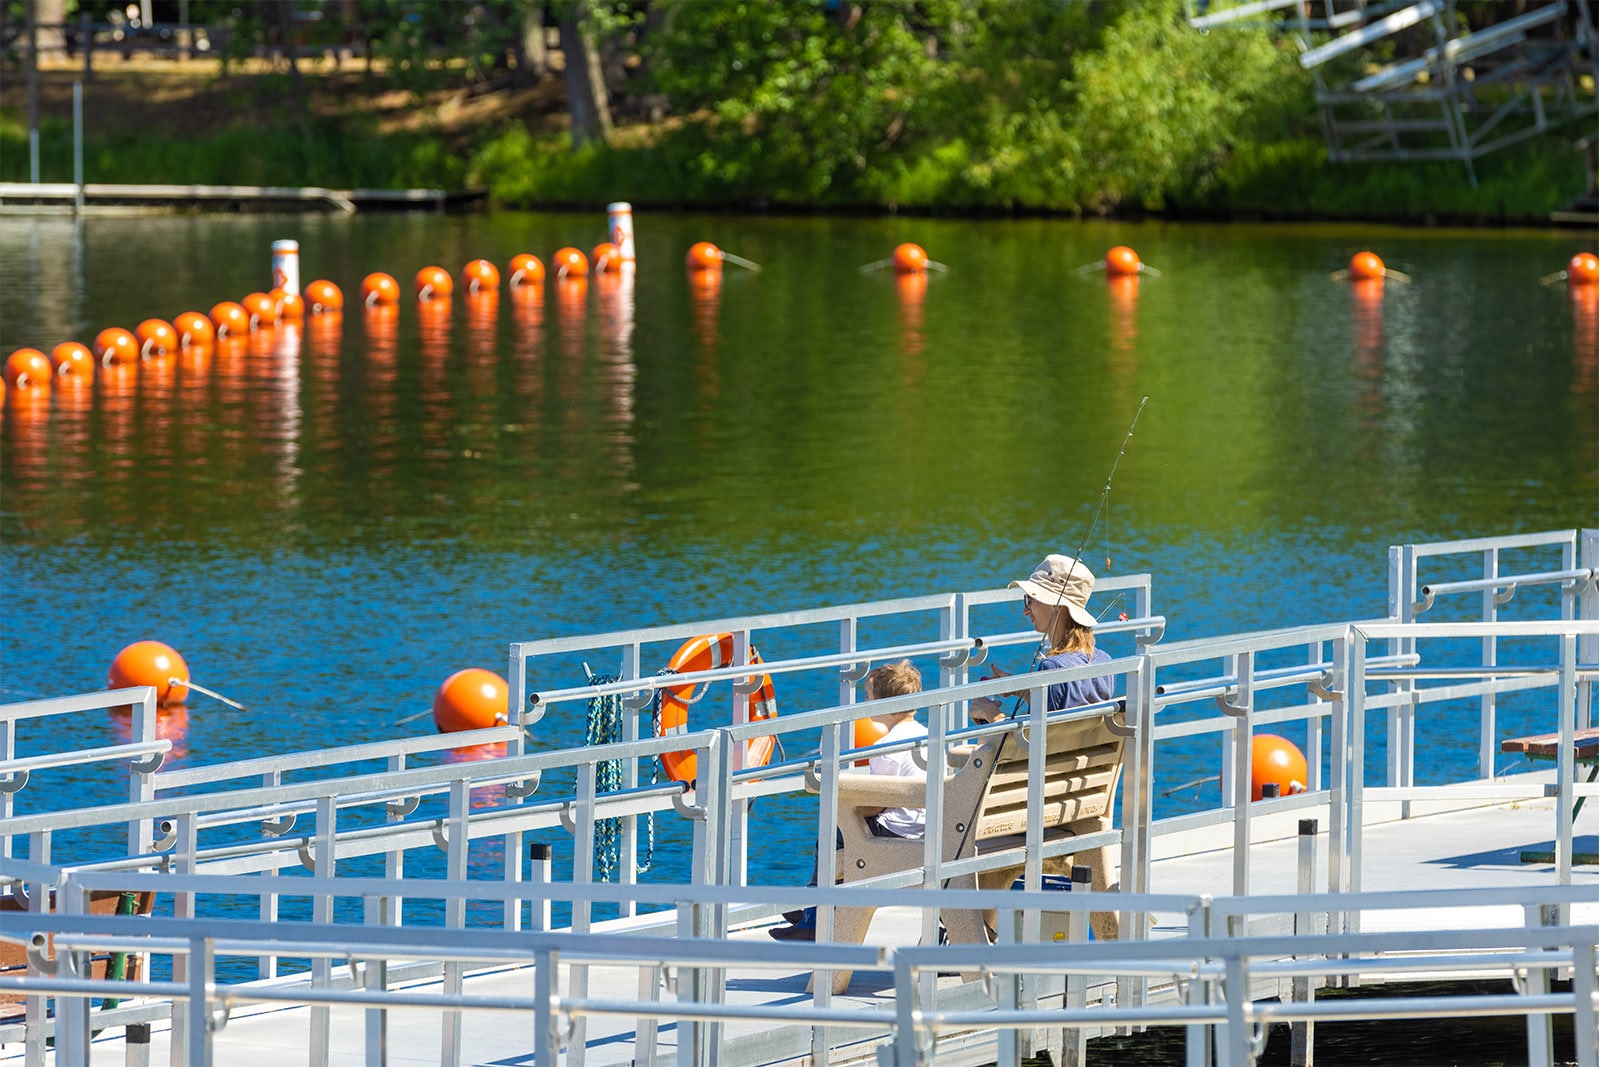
point(533, 58)
point(586, 88)
point(52, 30)
point(280, 16)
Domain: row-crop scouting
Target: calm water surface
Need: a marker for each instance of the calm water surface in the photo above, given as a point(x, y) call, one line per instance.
point(328, 522)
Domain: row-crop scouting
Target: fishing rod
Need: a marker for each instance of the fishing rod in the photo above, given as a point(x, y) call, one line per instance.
point(1094, 520)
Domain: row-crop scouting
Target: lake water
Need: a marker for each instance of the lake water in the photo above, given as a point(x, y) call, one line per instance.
point(327, 523)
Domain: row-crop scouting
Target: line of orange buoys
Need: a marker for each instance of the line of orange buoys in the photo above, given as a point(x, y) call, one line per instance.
point(71, 363)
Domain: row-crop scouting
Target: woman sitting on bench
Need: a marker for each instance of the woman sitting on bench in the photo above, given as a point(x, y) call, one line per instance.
point(1055, 599)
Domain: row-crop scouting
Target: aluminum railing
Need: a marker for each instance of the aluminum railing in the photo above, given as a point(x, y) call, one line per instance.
point(1208, 979)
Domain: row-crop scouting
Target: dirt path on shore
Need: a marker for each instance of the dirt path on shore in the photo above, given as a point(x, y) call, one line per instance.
point(197, 99)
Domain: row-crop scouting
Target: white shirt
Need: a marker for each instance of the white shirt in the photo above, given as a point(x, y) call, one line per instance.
point(906, 822)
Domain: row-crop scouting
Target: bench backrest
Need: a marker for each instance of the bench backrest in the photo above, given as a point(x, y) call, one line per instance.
point(1083, 764)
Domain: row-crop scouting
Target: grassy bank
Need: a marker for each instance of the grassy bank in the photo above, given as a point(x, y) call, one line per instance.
point(356, 131)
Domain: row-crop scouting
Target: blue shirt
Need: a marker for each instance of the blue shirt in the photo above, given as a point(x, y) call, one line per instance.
point(1077, 694)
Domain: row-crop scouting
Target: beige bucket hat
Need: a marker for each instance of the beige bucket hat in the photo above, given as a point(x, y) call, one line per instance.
point(1061, 581)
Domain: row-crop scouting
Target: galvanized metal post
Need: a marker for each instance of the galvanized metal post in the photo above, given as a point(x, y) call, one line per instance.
point(455, 914)
point(546, 1039)
point(201, 966)
point(377, 979)
point(136, 1045)
point(1074, 1039)
point(1302, 1034)
point(72, 1011)
point(1585, 1027)
point(1199, 1039)
point(1488, 742)
point(323, 866)
point(583, 875)
point(184, 848)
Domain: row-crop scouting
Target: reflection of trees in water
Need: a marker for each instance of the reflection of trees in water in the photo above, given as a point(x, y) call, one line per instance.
point(1585, 337)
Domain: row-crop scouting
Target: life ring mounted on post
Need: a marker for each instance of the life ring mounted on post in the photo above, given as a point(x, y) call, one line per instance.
point(705, 653)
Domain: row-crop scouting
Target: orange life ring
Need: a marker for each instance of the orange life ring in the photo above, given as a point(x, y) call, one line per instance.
point(704, 653)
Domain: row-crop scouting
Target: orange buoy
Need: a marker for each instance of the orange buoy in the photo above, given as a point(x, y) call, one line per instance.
point(1366, 266)
point(526, 269)
point(865, 734)
point(910, 259)
point(322, 295)
point(570, 263)
point(607, 258)
point(471, 699)
point(156, 338)
point(291, 306)
point(433, 283)
point(480, 274)
point(151, 663)
point(115, 345)
point(194, 329)
point(703, 653)
point(1122, 261)
point(702, 256)
point(262, 308)
point(1276, 761)
point(73, 360)
point(379, 288)
point(28, 368)
point(1583, 269)
point(230, 319)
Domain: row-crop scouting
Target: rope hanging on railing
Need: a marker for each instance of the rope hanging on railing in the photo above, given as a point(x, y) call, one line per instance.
point(605, 727)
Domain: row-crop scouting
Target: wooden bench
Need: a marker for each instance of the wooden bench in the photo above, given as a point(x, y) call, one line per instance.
point(986, 789)
point(14, 958)
point(1585, 750)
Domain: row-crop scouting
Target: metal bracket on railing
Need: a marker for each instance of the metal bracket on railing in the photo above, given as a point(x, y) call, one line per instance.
point(168, 836)
point(961, 657)
point(1158, 630)
point(987, 977)
point(402, 807)
point(358, 972)
point(1425, 603)
point(1519, 980)
point(749, 685)
point(307, 860)
point(12, 783)
point(149, 764)
point(919, 756)
point(1228, 707)
point(569, 821)
point(440, 838)
point(279, 827)
point(37, 960)
point(219, 1017)
point(638, 700)
point(978, 654)
point(1324, 686)
point(684, 808)
point(854, 672)
point(813, 777)
point(669, 978)
point(1117, 721)
point(1503, 597)
point(525, 788)
point(566, 1025)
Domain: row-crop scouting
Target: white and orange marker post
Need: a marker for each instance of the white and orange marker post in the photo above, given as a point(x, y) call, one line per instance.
point(619, 222)
point(286, 267)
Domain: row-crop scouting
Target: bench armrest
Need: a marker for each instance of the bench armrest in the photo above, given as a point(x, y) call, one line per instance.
point(882, 791)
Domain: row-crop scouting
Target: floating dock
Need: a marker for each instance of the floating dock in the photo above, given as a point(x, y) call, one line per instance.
point(107, 198)
point(281, 878)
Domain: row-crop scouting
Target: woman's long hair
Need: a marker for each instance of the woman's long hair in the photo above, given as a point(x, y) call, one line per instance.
point(1063, 634)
